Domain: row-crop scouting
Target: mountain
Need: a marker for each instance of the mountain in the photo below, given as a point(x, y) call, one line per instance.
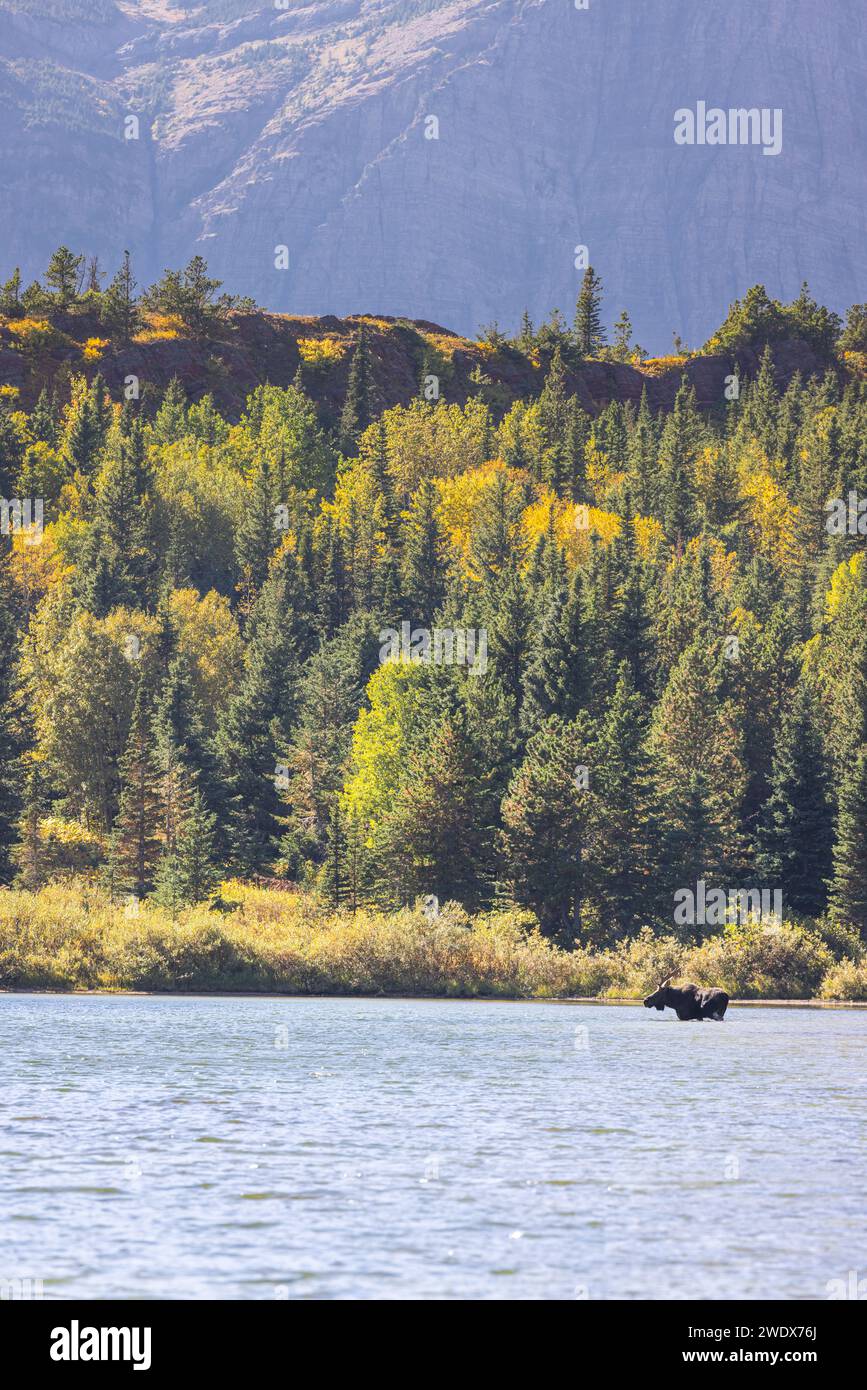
point(309, 127)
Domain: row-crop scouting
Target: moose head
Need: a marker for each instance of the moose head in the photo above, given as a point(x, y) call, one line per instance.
point(659, 998)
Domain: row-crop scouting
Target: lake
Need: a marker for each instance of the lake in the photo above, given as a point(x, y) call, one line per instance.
point(264, 1148)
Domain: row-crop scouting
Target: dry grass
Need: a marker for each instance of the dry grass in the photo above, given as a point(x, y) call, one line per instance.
point(70, 936)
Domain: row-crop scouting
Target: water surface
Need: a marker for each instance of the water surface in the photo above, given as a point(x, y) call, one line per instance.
point(265, 1148)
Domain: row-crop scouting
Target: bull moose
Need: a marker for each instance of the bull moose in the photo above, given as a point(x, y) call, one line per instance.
point(689, 1002)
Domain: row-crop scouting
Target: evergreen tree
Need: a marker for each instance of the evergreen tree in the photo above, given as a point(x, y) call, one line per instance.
point(557, 680)
point(135, 842)
point(11, 732)
point(187, 872)
point(258, 535)
point(357, 408)
point(119, 308)
point(171, 420)
point(848, 886)
point(589, 333)
point(258, 722)
point(424, 557)
point(63, 276)
point(437, 836)
point(544, 826)
point(678, 447)
point(796, 832)
point(11, 454)
point(625, 843)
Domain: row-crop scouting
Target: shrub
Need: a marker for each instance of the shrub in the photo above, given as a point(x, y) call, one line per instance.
point(761, 960)
point(320, 352)
point(845, 980)
point(94, 348)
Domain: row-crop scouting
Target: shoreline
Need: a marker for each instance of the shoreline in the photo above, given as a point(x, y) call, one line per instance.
point(416, 998)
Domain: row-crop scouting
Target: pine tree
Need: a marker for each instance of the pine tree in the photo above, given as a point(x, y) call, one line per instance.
point(678, 448)
point(28, 853)
point(557, 679)
point(171, 419)
point(64, 275)
point(624, 853)
point(336, 867)
point(848, 886)
point(136, 844)
point(189, 873)
point(11, 453)
point(10, 296)
point(424, 558)
point(796, 832)
point(183, 756)
point(258, 536)
point(258, 722)
point(589, 333)
point(119, 308)
point(437, 837)
point(44, 418)
point(642, 450)
point(544, 826)
point(357, 408)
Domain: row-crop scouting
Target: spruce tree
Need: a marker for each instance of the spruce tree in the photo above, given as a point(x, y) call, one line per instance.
point(678, 448)
point(357, 410)
point(796, 831)
point(119, 309)
point(257, 725)
point(135, 842)
point(557, 679)
point(11, 732)
point(437, 836)
point(544, 826)
point(848, 886)
point(424, 556)
point(589, 333)
point(63, 275)
point(623, 858)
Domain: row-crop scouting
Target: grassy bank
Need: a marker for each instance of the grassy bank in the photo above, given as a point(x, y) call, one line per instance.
point(70, 937)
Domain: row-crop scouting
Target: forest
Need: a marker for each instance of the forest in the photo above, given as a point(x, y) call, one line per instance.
point(466, 657)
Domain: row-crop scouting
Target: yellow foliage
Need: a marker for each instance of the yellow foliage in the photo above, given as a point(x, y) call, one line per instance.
point(843, 581)
point(208, 634)
point(771, 515)
point(94, 348)
point(33, 333)
point(462, 499)
point(35, 567)
point(658, 366)
point(433, 441)
point(160, 328)
point(318, 352)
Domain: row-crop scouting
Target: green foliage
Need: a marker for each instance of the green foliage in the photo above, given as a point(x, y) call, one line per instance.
point(198, 674)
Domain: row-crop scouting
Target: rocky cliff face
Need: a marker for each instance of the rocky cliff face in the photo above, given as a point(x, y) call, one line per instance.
point(312, 127)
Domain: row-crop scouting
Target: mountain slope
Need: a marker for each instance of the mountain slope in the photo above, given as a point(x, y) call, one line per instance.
point(306, 127)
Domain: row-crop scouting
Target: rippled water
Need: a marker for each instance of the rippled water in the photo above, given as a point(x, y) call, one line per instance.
point(331, 1148)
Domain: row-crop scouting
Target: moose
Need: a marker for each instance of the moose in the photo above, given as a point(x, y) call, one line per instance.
point(689, 1002)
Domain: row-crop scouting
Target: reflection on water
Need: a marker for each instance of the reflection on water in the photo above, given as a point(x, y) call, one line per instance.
point(340, 1148)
